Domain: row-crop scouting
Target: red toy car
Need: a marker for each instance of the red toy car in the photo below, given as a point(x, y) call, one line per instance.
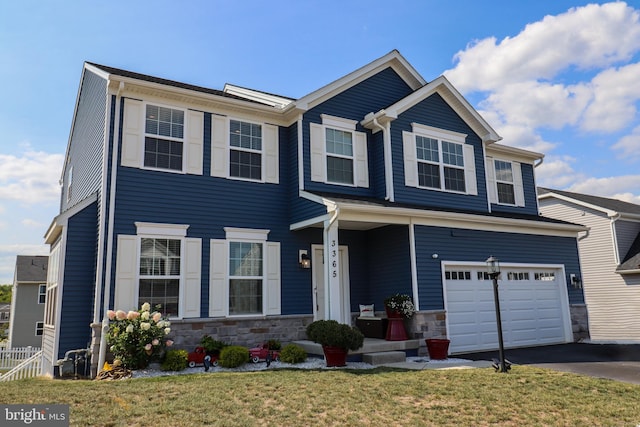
point(262, 353)
point(197, 357)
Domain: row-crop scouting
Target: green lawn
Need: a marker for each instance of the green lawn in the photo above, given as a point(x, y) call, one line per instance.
point(380, 397)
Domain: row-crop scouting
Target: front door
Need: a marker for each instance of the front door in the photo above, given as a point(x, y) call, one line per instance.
point(321, 298)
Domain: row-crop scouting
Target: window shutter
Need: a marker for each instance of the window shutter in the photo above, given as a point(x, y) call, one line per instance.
point(132, 134)
point(219, 149)
point(318, 164)
point(410, 160)
point(271, 168)
point(470, 170)
point(272, 293)
point(518, 188)
point(192, 284)
point(492, 190)
point(126, 265)
point(218, 287)
point(195, 141)
point(362, 168)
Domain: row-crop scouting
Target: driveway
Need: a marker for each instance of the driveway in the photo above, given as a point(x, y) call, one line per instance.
point(619, 362)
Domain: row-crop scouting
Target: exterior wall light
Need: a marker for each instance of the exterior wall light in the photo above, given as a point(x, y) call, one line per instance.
point(303, 259)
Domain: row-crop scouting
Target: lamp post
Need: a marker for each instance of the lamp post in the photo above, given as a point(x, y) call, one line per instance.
point(493, 268)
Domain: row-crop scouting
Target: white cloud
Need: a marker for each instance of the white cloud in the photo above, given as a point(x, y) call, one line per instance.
point(615, 186)
point(628, 146)
point(558, 173)
point(31, 177)
point(32, 223)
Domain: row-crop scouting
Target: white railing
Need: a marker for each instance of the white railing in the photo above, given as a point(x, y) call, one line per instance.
point(12, 357)
point(28, 368)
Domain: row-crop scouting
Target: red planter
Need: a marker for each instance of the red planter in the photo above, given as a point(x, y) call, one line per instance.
point(395, 327)
point(335, 356)
point(438, 348)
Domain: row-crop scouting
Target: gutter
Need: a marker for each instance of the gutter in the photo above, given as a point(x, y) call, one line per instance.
point(614, 218)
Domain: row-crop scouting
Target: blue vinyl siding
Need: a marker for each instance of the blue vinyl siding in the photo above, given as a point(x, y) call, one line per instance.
point(472, 245)
point(79, 281)
point(87, 141)
point(371, 95)
point(435, 112)
point(530, 196)
point(376, 160)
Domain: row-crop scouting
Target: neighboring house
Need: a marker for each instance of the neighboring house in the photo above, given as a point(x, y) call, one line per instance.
point(205, 202)
point(609, 256)
point(28, 301)
point(5, 312)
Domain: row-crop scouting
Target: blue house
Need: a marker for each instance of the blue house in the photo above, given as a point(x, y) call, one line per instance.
point(213, 203)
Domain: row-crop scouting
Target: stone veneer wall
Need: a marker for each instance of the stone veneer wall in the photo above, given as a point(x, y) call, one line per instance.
point(579, 321)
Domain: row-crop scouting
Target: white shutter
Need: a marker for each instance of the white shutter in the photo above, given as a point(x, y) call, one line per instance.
point(126, 274)
point(192, 284)
point(492, 190)
point(318, 164)
point(132, 133)
point(218, 288)
point(470, 170)
point(272, 292)
point(219, 148)
point(195, 141)
point(410, 161)
point(270, 140)
point(362, 168)
point(518, 188)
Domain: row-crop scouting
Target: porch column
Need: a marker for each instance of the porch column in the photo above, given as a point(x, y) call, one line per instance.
point(333, 303)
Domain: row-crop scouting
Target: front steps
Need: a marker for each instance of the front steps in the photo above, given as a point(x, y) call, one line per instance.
point(374, 351)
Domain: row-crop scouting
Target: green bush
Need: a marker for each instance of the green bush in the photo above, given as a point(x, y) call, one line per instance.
point(233, 356)
point(293, 353)
point(175, 360)
point(212, 345)
point(333, 334)
point(273, 344)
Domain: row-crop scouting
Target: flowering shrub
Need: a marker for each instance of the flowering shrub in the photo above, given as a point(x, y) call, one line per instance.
point(137, 337)
point(400, 303)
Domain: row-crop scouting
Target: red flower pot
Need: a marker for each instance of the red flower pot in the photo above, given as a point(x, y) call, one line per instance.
point(438, 348)
point(335, 356)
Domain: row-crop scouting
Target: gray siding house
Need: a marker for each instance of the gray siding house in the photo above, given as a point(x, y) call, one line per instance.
point(28, 301)
point(609, 256)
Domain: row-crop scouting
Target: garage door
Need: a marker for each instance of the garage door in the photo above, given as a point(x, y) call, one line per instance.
point(533, 302)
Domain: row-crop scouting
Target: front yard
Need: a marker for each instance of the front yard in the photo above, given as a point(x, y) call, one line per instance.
point(384, 397)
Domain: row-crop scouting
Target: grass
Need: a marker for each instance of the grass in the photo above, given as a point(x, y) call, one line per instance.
point(526, 396)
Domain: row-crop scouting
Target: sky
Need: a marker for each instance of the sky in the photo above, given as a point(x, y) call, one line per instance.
point(553, 76)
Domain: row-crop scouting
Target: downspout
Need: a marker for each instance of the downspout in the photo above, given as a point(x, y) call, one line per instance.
point(388, 171)
point(109, 260)
point(615, 237)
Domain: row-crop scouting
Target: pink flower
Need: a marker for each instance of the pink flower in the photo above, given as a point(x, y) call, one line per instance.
point(147, 347)
point(169, 343)
point(111, 314)
point(131, 315)
point(157, 316)
point(121, 315)
point(155, 341)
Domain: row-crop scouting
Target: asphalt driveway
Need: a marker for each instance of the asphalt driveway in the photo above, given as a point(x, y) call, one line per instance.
point(619, 362)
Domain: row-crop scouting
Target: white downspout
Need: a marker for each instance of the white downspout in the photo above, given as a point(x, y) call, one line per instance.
point(109, 260)
point(615, 237)
point(388, 168)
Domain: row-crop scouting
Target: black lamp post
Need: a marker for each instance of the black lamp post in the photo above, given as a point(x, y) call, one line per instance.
point(493, 268)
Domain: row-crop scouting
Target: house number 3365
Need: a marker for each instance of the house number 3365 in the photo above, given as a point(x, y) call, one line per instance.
point(334, 259)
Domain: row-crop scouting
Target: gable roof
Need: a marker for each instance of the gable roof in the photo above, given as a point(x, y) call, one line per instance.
point(609, 206)
point(31, 268)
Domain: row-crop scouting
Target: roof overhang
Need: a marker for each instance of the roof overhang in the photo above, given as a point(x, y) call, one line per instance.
point(59, 222)
point(513, 153)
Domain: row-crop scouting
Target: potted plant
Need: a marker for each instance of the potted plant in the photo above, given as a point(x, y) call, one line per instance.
point(336, 340)
point(399, 305)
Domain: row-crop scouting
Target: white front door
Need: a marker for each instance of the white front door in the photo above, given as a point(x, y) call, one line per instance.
point(321, 298)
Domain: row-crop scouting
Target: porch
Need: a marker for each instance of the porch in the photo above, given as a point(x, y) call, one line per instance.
point(374, 351)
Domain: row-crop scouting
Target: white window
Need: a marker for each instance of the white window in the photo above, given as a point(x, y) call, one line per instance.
point(244, 150)
point(504, 182)
point(439, 159)
point(42, 293)
point(244, 274)
point(162, 138)
point(338, 152)
point(52, 285)
point(161, 266)
point(39, 328)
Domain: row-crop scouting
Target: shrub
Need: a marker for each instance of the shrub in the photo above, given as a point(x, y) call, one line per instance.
point(293, 353)
point(175, 360)
point(274, 344)
point(333, 334)
point(233, 356)
point(212, 345)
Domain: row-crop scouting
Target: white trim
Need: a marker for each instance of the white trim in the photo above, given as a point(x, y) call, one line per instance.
point(157, 229)
point(255, 95)
point(246, 234)
point(184, 140)
point(414, 266)
point(338, 122)
point(300, 155)
point(438, 133)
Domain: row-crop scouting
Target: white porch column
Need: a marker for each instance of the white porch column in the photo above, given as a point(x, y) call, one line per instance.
point(333, 297)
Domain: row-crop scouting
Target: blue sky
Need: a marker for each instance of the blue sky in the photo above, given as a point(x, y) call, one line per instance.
point(557, 77)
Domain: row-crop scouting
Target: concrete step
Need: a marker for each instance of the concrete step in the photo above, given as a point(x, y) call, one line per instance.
point(384, 357)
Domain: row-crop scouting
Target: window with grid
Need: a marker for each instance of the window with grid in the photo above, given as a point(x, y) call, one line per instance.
point(245, 155)
point(245, 278)
point(339, 146)
point(160, 274)
point(440, 164)
point(164, 138)
point(42, 293)
point(504, 182)
point(39, 328)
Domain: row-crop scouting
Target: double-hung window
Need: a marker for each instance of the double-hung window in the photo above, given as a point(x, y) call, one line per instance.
point(438, 159)
point(504, 182)
point(245, 278)
point(339, 156)
point(160, 261)
point(245, 156)
point(164, 138)
point(42, 293)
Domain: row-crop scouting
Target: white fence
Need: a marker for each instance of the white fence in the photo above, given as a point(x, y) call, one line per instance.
point(12, 357)
point(28, 368)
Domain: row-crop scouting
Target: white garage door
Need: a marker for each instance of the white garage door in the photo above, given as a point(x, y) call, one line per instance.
point(533, 305)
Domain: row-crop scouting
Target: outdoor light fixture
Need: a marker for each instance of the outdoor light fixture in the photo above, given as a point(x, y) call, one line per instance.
point(493, 268)
point(303, 259)
point(575, 281)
